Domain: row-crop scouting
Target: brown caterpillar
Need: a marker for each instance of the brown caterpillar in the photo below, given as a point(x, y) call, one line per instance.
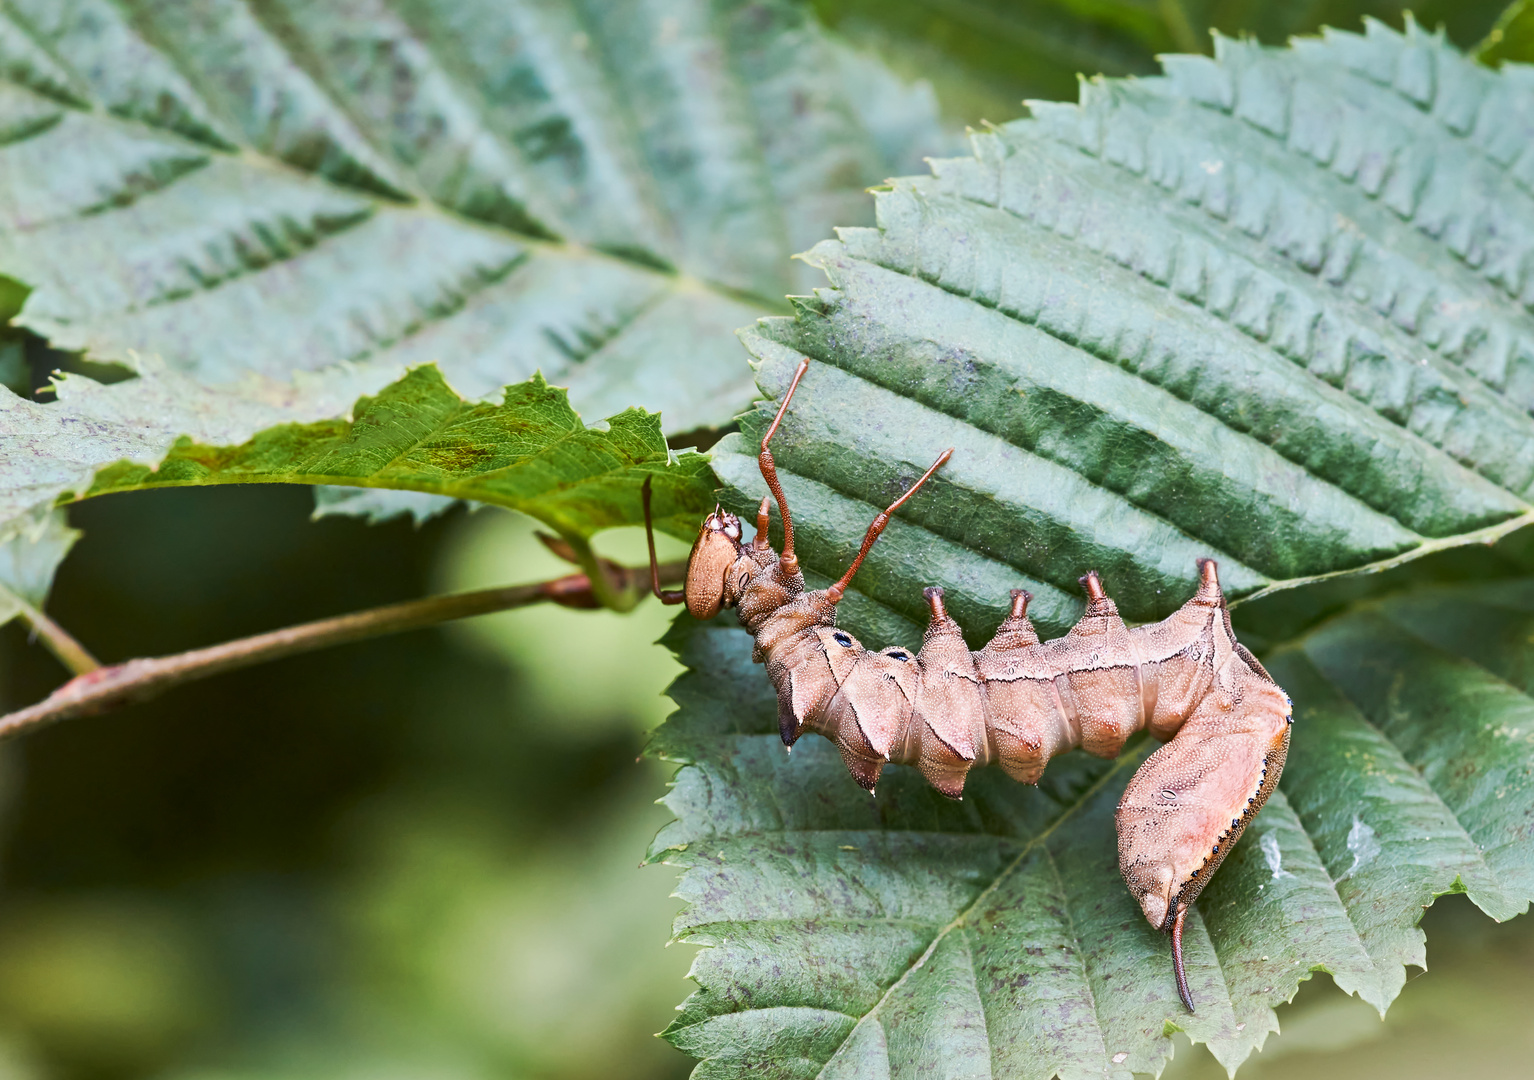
point(1018, 701)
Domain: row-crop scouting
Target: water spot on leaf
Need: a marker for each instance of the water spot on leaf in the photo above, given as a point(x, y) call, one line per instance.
point(1273, 857)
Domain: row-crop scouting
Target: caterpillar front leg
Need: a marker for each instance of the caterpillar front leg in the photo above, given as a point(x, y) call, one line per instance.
point(665, 596)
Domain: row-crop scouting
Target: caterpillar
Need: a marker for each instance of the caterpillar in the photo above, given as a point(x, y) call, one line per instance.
point(1019, 701)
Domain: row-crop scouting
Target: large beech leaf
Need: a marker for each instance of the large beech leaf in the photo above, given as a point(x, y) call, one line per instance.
point(602, 192)
point(530, 452)
point(1270, 307)
point(910, 936)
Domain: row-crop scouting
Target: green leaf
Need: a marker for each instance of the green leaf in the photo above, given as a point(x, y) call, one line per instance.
point(530, 453)
point(907, 935)
point(499, 188)
point(1271, 307)
point(349, 191)
point(1268, 307)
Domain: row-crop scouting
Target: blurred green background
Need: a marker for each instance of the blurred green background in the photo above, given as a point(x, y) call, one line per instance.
point(418, 857)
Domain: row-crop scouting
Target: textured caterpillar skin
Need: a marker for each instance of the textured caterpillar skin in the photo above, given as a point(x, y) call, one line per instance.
point(1019, 701)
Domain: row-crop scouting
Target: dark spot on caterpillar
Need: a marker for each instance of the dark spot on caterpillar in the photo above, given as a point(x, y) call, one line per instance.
point(842, 639)
point(1169, 795)
point(902, 657)
point(745, 579)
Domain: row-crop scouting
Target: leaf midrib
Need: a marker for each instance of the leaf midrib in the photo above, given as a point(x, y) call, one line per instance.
point(1486, 535)
point(1068, 810)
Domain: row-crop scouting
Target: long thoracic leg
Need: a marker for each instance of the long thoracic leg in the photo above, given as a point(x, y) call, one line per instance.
point(665, 596)
point(788, 560)
point(837, 591)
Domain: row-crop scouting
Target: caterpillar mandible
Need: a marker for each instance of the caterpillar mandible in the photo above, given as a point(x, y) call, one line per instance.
point(1019, 701)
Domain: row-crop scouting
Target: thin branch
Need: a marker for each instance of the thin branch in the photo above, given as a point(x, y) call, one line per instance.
point(137, 680)
point(60, 642)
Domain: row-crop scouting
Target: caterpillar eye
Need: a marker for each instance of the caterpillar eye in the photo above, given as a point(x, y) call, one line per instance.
point(842, 639)
point(902, 657)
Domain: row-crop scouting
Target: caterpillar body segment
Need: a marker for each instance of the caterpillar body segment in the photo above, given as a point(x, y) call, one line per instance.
point(1019, 701)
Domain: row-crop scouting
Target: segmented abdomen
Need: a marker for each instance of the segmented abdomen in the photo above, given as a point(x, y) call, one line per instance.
point(1019, 701)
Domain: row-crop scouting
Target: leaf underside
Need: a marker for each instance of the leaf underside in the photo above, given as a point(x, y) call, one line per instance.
point(1272, 307)
point(495, 187)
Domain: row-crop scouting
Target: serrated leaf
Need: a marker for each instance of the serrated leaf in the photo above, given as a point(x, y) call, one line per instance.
point(530, 453)
point(986, 57)
point(907, 935)
point(1270, 307)
point(499, 188)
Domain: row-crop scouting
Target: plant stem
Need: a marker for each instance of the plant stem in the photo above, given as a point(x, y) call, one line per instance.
point(60, 642)
point(107, 687)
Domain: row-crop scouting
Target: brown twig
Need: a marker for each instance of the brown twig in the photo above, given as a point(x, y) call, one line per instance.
point(137, 680)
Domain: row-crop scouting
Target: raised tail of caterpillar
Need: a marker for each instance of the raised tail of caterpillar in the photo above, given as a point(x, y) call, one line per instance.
point(1019, 701)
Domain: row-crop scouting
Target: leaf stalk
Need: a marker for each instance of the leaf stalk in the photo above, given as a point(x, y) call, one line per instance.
point(60, 642)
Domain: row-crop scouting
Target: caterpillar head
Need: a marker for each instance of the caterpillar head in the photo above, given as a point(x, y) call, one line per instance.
point(709, 565)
